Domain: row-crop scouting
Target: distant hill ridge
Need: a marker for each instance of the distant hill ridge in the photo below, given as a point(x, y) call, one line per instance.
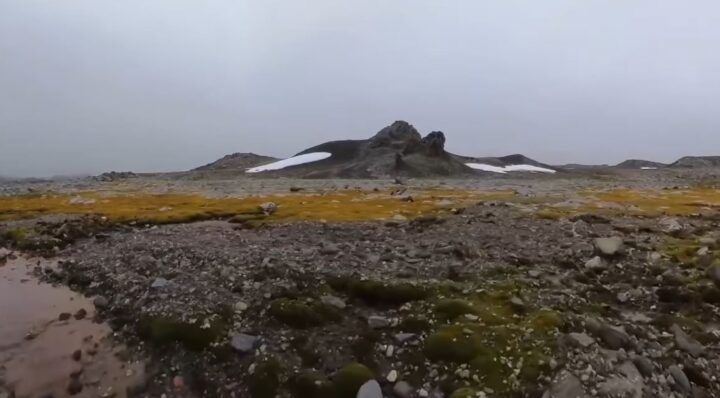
point(396, 150)
point(400, 150)
point(237, 161)
point(639, 163)
point(696, 162)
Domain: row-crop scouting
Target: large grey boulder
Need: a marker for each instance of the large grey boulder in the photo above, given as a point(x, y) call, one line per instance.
point(567, 385)
point(686, 342)
point(609, 247)
point(244, 343)
point(371, 389)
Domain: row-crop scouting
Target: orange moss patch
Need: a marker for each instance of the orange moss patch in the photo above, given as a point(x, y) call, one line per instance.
point(638, 203)
point(173, 208)
point(676, 202)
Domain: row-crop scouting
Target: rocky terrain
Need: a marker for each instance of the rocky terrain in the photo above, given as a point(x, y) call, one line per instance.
point(397, 150)
point(557, 287)
point(697, 162)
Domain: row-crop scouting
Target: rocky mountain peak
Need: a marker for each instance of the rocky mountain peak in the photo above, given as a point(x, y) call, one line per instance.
point(435, 142)
point(396, 135)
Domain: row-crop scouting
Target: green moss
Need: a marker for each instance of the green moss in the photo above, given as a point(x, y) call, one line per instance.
point(164, 330)
point(29, 239)
point(545, 321)
point(265, 381)
point(453, 308)
point(465, 392)
point(18, 234)
point(376, 293)
point(493, 349)
point(685, 253)
point(348, 380)
point(310, 384)
point(414, 325)
point(298, 314)
point(487, 365)
point(535, 365)
point(453, 344)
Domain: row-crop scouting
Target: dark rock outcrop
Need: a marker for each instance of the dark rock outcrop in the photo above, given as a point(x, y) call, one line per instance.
point(697, 162)
point(396, 150)
point(115, 176)
point(435, 143)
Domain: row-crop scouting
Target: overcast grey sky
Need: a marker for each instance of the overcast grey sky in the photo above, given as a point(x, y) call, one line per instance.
point(153, 85)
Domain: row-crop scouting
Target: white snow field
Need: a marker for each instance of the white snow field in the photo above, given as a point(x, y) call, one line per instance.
point(512, 167)
point(293, 161)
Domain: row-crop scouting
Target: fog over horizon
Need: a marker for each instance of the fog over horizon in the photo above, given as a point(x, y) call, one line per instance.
point(93, 85)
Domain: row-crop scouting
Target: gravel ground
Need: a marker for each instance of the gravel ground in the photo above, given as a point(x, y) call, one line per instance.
point(489, 302)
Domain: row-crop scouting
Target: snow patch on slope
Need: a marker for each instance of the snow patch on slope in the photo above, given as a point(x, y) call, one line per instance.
point(293, 161)
point(486, 167)
point(505, 169)
point(528, 167)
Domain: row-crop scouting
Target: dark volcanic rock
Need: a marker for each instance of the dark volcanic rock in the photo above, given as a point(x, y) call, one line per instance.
point(697, 162)
point(396, 135)
point(396, 150)
point(435, 143)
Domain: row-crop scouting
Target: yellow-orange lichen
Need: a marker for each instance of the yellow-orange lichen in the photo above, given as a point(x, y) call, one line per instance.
point(351, 205)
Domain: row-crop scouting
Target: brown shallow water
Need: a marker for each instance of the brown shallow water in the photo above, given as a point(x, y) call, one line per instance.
point(36, 348)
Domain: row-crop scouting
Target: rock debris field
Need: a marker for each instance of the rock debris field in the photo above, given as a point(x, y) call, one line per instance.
point(520, 287)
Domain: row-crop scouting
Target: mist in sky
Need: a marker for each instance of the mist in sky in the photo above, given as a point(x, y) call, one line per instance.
point(88, 86)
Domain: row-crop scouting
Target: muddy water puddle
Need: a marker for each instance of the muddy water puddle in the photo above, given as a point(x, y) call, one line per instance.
point(46, 354)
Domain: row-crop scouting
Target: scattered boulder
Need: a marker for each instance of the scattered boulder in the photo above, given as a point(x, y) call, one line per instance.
point(329, 249)
point(240, 306)
point(686, 342)
point(244, 343)
point(403, 390)
point(160, 283)
point(643, 365)
point(378, 322)
point(100, 302)
point(404, 337)
point(268, 208)
point(617, 386)
point(609, 247)
point(612, 337)
point(333, 301)
point(670, 226)
point(566, 386)
point(371, 389)
point(596, 264)
point(682, 384)
point(580, 340)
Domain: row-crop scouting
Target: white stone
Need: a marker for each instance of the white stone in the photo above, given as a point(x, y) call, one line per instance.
point(392, 376)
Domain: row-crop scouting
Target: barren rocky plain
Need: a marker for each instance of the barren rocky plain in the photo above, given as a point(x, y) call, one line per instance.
point(577, 284)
